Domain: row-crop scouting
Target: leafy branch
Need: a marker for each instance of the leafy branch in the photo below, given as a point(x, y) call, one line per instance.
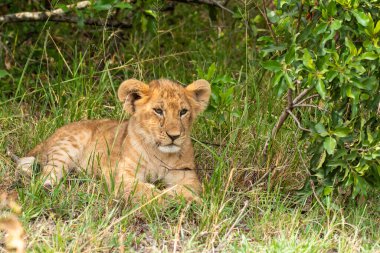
point(332, 48)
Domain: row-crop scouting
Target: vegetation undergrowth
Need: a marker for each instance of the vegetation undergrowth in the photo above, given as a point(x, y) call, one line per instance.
point(62, 73)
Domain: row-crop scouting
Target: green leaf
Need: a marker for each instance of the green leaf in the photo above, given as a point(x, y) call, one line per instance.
point(377, 28)
point(353, 93)
point(321, 159)
point(307, 60)
point(331, 8)
point(102, 7)
point(144, 23)
point(211, 71)
point(277, 78)
point(321, 130)
point(273, 48)
point(370, 83)
point(320, 28)
point(289, 81)
point(341, 131)
point(361, 17)
point(290, 55)
point(272, 65)
point(361, 169)
point(123, 5)
point(329, 144)
point(321, 89)
point(336, 24)
point(327, 190)
point(3, 73)
point(151, 13)
point(351, 46)
point(336, 163)
point(281, 88)
point(368, 56)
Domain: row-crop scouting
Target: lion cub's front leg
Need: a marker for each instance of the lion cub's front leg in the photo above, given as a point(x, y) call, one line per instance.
point(184, 183)
point(130, 188)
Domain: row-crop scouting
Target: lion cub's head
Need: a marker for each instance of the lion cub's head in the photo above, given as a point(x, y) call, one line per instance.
point(162, 112)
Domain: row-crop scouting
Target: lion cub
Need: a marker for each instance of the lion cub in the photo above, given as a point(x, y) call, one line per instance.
point(154, 144)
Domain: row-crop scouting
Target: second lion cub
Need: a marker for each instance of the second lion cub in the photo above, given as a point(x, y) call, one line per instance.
point(154, 144)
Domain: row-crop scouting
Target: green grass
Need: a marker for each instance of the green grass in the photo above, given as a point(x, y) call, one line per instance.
point(54, 83)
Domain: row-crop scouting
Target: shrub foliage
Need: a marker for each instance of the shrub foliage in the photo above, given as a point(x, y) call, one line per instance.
point(333, 48)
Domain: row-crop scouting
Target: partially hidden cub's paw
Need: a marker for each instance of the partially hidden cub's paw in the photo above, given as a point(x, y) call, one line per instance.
point(183, 192)
point(48, 184)
point(193, 198)
point(25, 166)
point(50, 181)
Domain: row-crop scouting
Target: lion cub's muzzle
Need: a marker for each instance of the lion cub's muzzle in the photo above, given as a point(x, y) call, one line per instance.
point(173, 143)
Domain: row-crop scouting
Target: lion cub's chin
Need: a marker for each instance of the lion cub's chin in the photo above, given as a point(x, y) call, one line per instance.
point(169, 148)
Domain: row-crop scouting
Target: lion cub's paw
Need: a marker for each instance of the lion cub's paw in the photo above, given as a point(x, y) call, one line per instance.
point(189, 196)
point(25, 166)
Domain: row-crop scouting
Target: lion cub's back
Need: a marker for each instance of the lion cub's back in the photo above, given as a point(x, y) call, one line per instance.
point(72, 138)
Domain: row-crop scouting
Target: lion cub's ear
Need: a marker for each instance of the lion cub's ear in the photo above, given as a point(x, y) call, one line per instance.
point(130, 91)
point(199, 92)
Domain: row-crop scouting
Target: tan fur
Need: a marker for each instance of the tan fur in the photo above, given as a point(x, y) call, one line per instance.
point(137, 152)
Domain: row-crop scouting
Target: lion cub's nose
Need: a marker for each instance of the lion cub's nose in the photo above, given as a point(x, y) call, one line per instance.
point(173, 136)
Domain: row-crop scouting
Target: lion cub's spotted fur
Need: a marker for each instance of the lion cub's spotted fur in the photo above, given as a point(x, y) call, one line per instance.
point(154, 144)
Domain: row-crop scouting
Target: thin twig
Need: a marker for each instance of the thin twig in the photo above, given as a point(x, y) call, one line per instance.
point(316, 195)
point(212, 144)
point(309, 105)
point(308, 98)
point(299, 17)
point(269, 24)
point(301, 95)
point(222, 6)
point(297, 121)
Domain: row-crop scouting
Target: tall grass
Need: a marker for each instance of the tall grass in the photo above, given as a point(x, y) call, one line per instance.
point(69, 74)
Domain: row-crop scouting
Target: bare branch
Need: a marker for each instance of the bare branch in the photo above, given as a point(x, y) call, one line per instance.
point(93, 22)
point(41, 15)
point(284, 115)
point(280, 122)
point(60, 15)
point(297, 121)
point(301, 95)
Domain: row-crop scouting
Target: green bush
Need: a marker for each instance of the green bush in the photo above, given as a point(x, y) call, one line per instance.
point(333, 48)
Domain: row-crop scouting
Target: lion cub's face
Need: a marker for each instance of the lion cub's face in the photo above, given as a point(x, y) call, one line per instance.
point(163, 110)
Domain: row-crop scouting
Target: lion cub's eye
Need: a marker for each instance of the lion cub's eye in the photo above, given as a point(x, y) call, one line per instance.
point(183, 112)
point(158, 111)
